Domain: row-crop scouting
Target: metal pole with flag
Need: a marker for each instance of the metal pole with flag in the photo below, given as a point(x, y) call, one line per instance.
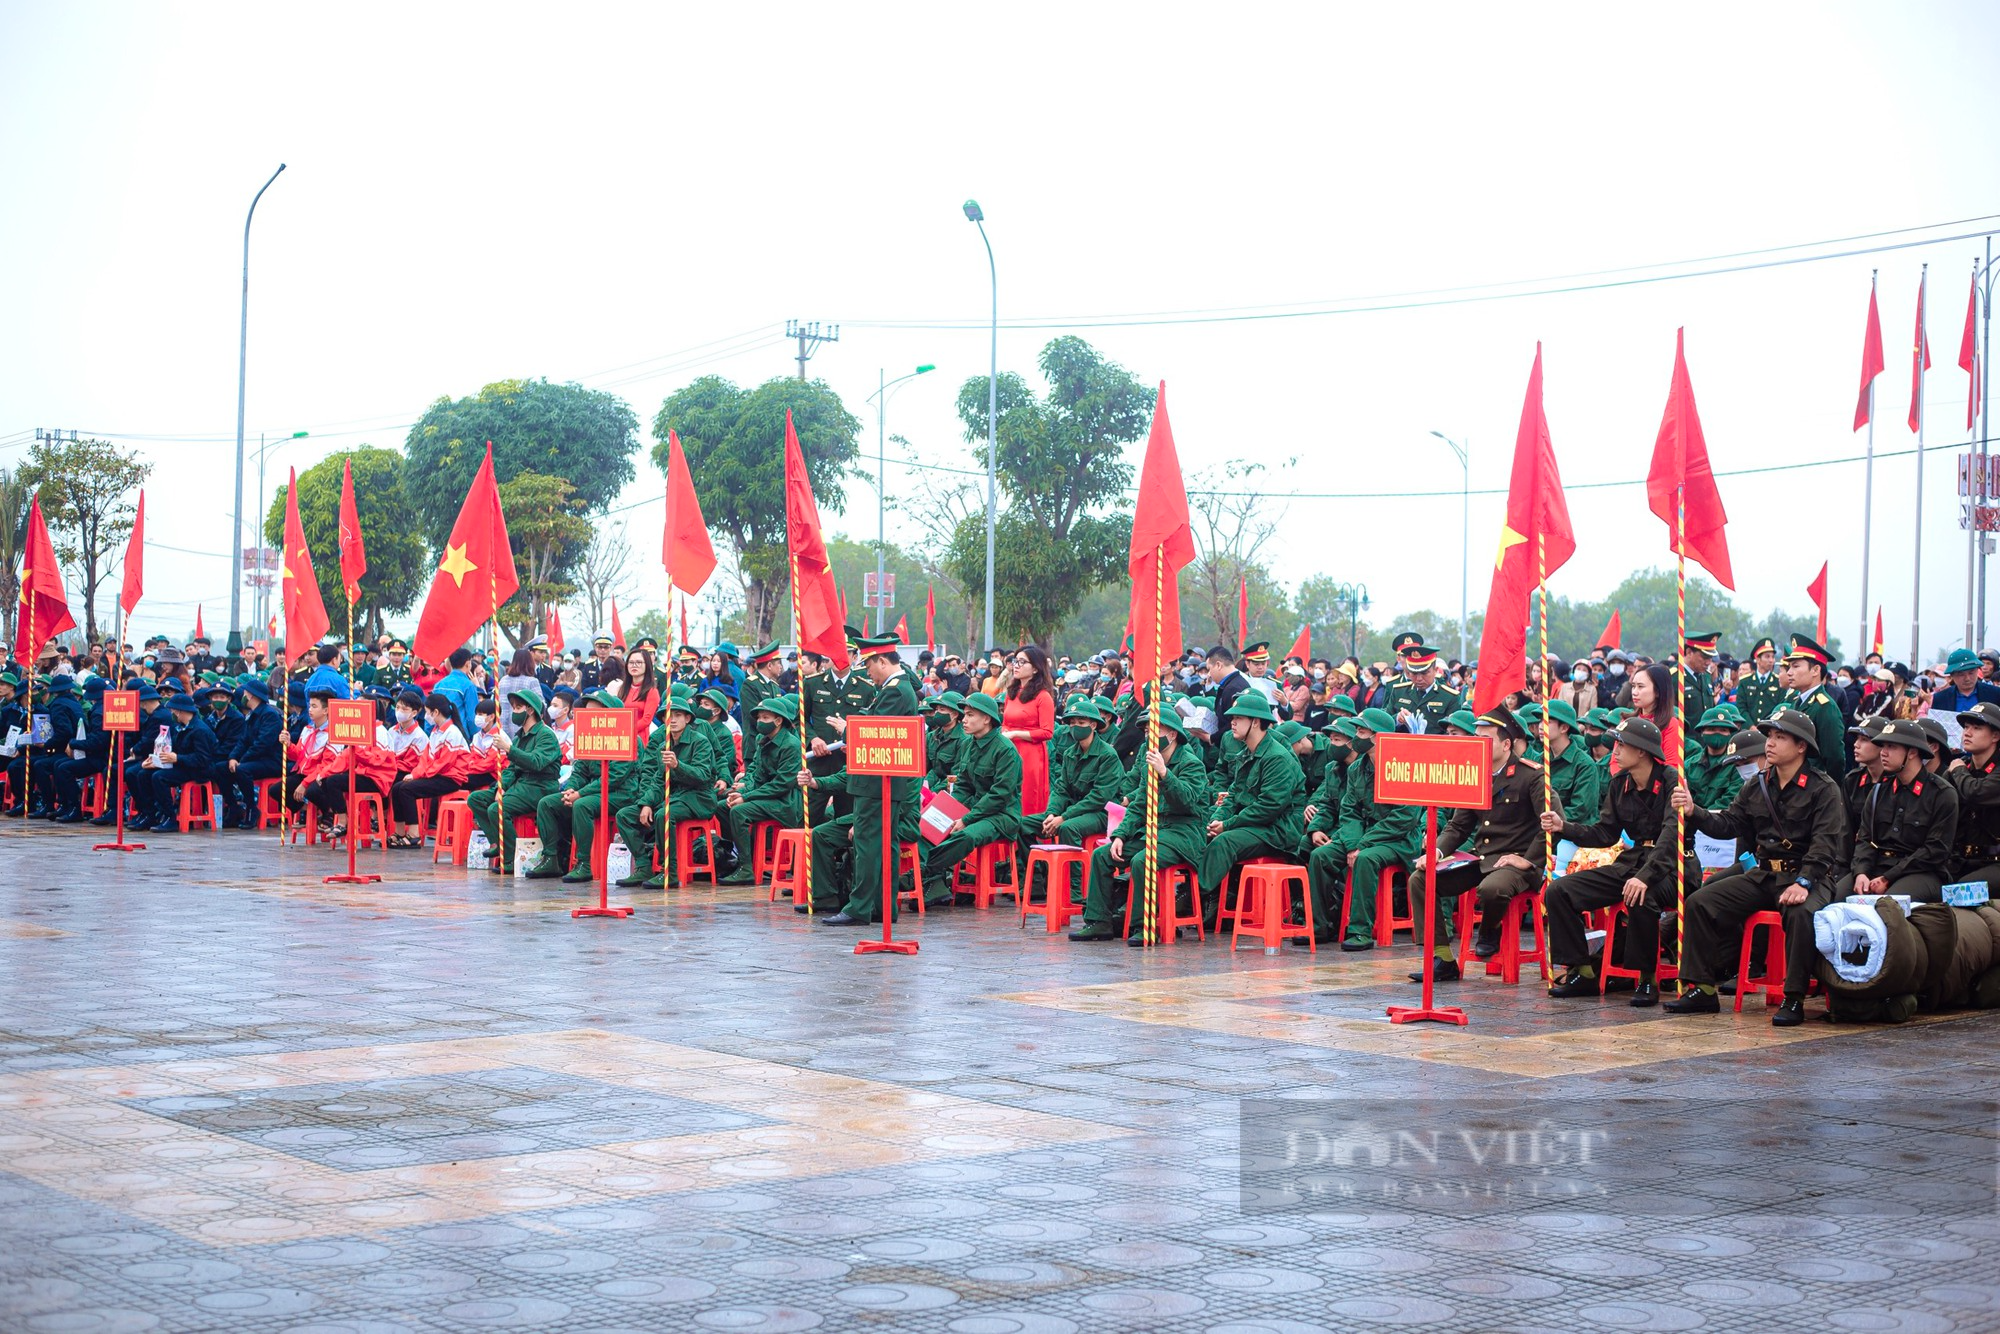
point(816, 613)
point(1968, 361)
point(353, 557)
point(1920, 361)
point(1864, 414)
point(688, 557)
point(44, 614)
point(1816, 590)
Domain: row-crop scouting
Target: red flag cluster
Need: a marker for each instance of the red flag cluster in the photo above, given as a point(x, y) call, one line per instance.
point(305, 610)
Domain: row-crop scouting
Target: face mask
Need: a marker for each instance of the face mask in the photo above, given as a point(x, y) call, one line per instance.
point(767, 726)
point(1082, 731)
point(1617, 669)
point(935, 722)
point(520, 717)
point(1845, 680)
point(1319, 673)
point(1746, 772)
point(1580, 675)
point(404, 715)
point(1362, 743)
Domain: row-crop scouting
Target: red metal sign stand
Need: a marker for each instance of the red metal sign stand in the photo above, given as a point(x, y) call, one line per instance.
point(1444, 1014)
point(603, 868)
point(120, 845)
point(886, 945)
point(353, 827)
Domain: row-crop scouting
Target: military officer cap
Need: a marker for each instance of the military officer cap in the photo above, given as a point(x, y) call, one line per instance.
point(601, 639)
point(779, 706)
point(1342, 704)
point(1805, 650)
point(1904, 732)
point(950, 699)
point(1961, 660)
point(768, 653)
point(1559, 711)
point(854, 637)
point(536, 642)
point(1376, 720)
point(1251, 704)
point(715, 696)
point(1793, 723)
point(1763, 646)
point(1507, 721)
point(1746, 745)
point(1940, 743)
point(1420, 657)
point(183, 704)
point(1462, 722)
point(1985, 713)
point(1717, 719)
point(1258, 652)
point(1702, 641)
point(982, 702)
point(1082, 707)
point(1869, 728)
point(398, 646)
point(1403, 640)
point(686, 654)
point(1642, 734)
point(876, 646)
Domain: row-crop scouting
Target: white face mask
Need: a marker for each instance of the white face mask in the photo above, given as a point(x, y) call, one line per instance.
point(1746, 772)
point(1617, 669)
point(1580, 675)
point(404, 715)
point(1319, 673)
point(1845, 679)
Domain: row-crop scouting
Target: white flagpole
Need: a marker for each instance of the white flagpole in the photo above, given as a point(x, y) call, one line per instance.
point(1917, 537)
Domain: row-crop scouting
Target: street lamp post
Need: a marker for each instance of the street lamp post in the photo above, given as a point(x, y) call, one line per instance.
point(1464, 453)
point(1356, 598)
point(881, 400)
point(242, 367)
point(977, 217)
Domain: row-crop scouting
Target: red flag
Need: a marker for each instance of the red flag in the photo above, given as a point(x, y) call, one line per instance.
point(930, 618)
point(1535, 541)
point(841, 593)
point(903, 628)
point(305, 612)
point(476, 576)
point(1680, 463)
point(1878, 630)
point(1920, 359)
point(199, 633)
point(1816, 590)
point(135, 561)
point(1162, 542)
point(353, 554)
point(684, 621)
point(1242, 611)
point(684, 548)
point(44, 609)
point(1871, 358)
point(555, 634)
point(1302, 647)
point(820, 610)
point(617, 630)
point(1968, 356)
point(1612, 631)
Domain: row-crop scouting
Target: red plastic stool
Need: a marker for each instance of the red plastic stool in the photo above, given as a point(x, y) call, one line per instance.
point(454, 828)
point(1507, 963)
point(1264, 901)
point(368, 807)
point(1232, 905)
point(270, 803)
point(1055, 908)
point(789, 860)
point(1167, 919)
point(1664, 971)
point(198, 802)
point(983, 866)
point(763, 849)
point(910, 858)
point(93, 802)
point(1387, 924)
point(1772, 981)
point(684, 859)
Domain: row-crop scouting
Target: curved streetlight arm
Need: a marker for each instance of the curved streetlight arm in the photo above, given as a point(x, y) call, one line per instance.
point(242, 368)
point(992, 424)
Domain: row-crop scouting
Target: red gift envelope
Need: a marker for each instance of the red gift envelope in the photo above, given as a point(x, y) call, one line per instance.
point(934, 825)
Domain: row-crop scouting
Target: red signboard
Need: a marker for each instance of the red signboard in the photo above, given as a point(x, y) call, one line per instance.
point(1447, 771)
point(352, 722)
point(886, 747)
point(604, 734)
point(121, 710)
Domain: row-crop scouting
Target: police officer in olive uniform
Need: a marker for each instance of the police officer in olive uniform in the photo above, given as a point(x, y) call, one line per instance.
point(829, 697)
point(1698, 652)
point(1506, 838)
point(1976, 775)
point(766, 666)
point(1807, 663)
point(1859, 781)
point(769, 788)
point(1794, 815)
point(1422, 693)
point(1260, 816)
point(1185, 806)
point(892, 693)
point(1903, 838)
point(1763, 690)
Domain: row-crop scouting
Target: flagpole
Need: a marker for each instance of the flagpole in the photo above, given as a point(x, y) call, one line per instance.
point(284, 753)
point(1917, 533)
point(1680, 697)
point(28, 756)
point(1868, 492)
point(1152, 867)
point(1548, 697)
point(805, 793)
point(500, 820)
point(666, 774)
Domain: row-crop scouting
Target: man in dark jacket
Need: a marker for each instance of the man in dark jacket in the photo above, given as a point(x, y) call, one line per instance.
point(90, 750)
point(256, 754)
point(191, 758)
point(1966, 687)
point(1903, 832)
point(65, 714)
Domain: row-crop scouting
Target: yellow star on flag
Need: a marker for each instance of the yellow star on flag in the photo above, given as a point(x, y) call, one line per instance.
point(1508, 538)
point(455, 564)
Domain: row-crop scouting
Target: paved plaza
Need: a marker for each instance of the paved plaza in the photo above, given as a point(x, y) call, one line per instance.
point(235, 1098)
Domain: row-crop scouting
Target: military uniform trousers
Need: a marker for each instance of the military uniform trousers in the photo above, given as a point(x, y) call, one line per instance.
point(163, 788)
point(1108, 883)
point(941, 857)
point(640, 841)
point(488, 811)
point(1921, 887)
point(1228, 850)
point(1580, 892)
point(559, 824)
point(1716, 914)
point(1495, 890)
point(1988, 874)
point(864, 877)
point(68, 779)
point(1327, 872)
point(832, 862)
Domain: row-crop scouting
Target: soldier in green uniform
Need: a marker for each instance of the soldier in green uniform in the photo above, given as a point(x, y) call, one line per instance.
point(1091, 777)
point(1575, 778)
point(1260, 816)
point(1324, 795)
point(766, 666)
point(1184, 808)
point(571, 812)
point(1506, 838)
point(676, 782)
point(943, 741)
point(394, 675)
point(892, 693)
point(1807, 663)
point(989, 787)
point(769, 788)
point(1763, 690)
point(1698, 652)
point(712, 716)
point(534, 760)
point(1361, 839)
point(687, 668)
point(828, 697)
point(1711, 774)
point(1421, 700)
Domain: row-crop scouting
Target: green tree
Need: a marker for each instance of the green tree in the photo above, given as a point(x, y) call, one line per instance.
point(853, 561)
point(584, 436)
point(1060, 463)
point(88, 492)
point(735, 445)
point(398, 565)
point(546, 526)
point(13, 532)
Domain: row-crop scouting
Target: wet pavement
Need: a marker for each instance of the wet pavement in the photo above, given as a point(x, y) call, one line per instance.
point(235, 1098)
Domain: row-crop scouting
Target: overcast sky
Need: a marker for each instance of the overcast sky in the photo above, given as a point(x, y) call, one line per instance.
point(635, 196)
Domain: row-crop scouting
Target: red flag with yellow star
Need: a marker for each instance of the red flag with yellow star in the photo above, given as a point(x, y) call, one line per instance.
point(44, 608)
point(305, 610)
point(1534, 542)
point(475, 576)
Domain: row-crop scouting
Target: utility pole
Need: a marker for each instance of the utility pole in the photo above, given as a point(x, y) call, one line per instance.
point(810, 338)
